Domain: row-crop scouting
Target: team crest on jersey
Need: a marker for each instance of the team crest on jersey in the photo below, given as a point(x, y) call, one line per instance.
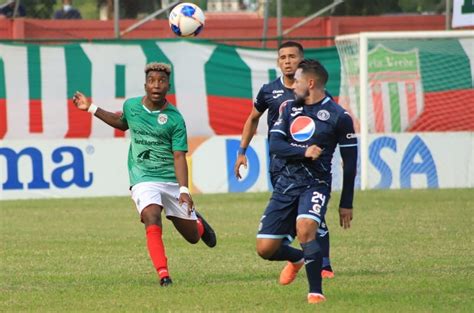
point(162, 118)
point(323, 115)
point(302, 128)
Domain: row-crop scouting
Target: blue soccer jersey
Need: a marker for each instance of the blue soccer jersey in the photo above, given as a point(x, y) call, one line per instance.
point(325, 124)
point(273, 97)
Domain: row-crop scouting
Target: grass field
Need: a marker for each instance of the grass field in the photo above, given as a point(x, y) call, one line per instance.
point(408, 251)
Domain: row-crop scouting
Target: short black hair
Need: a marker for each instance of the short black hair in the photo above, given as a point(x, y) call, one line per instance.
point(289, 44)
point(316, 68)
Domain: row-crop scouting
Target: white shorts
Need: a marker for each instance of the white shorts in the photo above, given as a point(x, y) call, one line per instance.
point(163, 194)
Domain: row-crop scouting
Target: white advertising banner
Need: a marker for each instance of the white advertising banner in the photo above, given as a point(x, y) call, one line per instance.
point(425, 160)
point(463, 13)
point(63, 168)
point(98, 167)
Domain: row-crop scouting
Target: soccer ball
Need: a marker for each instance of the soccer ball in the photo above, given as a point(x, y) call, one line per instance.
point(186, 20)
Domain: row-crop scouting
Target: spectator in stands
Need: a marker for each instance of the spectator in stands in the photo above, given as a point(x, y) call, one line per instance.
point(8, 9)
point(67, 12)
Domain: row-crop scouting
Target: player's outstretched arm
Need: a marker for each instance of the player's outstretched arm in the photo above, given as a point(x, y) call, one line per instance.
point(345, 217)
point(181, 171)
point(349, 161)
point(250, 127)
point(112, 119)
point(348, 147)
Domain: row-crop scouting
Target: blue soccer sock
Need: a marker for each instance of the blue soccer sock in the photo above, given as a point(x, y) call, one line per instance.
point(324, 244)
point(313, 260)
point(287, 253)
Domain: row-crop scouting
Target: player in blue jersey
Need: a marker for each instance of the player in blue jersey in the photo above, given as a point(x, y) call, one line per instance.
point(305, 136)
point(273, 97)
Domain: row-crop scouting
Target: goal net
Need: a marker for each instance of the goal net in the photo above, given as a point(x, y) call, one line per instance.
point(395, 82)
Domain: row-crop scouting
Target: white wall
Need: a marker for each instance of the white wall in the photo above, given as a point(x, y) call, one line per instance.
point(98, 167)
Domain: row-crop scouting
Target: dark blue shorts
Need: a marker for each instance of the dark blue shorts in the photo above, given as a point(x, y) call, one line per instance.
point(279, 219)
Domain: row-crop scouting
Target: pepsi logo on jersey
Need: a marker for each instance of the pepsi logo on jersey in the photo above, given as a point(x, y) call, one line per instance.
point(302, 128)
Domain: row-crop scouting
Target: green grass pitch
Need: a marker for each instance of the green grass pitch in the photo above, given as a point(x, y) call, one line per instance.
point(407, 251)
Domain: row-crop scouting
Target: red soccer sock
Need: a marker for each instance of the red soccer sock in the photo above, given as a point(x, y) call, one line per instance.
point(200, 227)
point(157, 250)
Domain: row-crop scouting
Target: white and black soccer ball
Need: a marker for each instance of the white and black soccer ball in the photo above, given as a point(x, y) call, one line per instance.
point(186, 20)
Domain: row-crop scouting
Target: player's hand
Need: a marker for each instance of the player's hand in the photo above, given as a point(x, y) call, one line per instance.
point(241, 160)
point(80, 101)
point(186, 200)
point(313, 152)
point(345, 217)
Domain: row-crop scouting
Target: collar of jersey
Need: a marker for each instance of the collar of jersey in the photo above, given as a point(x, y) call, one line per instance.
point(325, 100)
point(283, 83)
point(157, 111)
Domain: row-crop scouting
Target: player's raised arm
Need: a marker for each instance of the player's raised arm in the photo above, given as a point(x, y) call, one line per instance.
point(250, 127)
point(348, 148)
point(111, 118)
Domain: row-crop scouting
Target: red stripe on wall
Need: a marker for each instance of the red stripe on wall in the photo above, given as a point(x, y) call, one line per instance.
point(447, 111)
point(171, 98)
point(3, 117)
point(410, 89)
point(228, 115)
point(36, 116)
point(378, 107)
point(80, 122)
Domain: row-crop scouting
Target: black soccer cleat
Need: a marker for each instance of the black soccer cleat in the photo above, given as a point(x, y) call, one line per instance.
point(166, 281)
point(209, 236)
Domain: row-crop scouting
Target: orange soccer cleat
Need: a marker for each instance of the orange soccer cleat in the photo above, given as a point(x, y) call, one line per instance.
point(314, 298)
point(325, 273)
point(289, 272)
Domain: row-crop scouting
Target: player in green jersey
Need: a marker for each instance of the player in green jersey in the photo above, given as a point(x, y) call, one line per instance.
point(157, 164)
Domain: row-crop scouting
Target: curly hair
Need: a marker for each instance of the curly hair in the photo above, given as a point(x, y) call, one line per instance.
point(159, 67)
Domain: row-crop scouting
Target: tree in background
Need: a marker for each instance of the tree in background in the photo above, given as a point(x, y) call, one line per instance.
point(39, 9)
point(358, 7)
point(368, 7)
point(423, 6)
point(131, 9)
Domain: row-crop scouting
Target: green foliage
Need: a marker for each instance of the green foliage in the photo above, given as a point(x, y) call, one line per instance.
point(304, 8)
point(39, 9)
point(357, 7)
point(407, 251)
point(89, 8)
point(420, 6)
point(136, 8)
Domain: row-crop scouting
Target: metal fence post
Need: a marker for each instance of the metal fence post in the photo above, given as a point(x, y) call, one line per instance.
point(117, 18)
